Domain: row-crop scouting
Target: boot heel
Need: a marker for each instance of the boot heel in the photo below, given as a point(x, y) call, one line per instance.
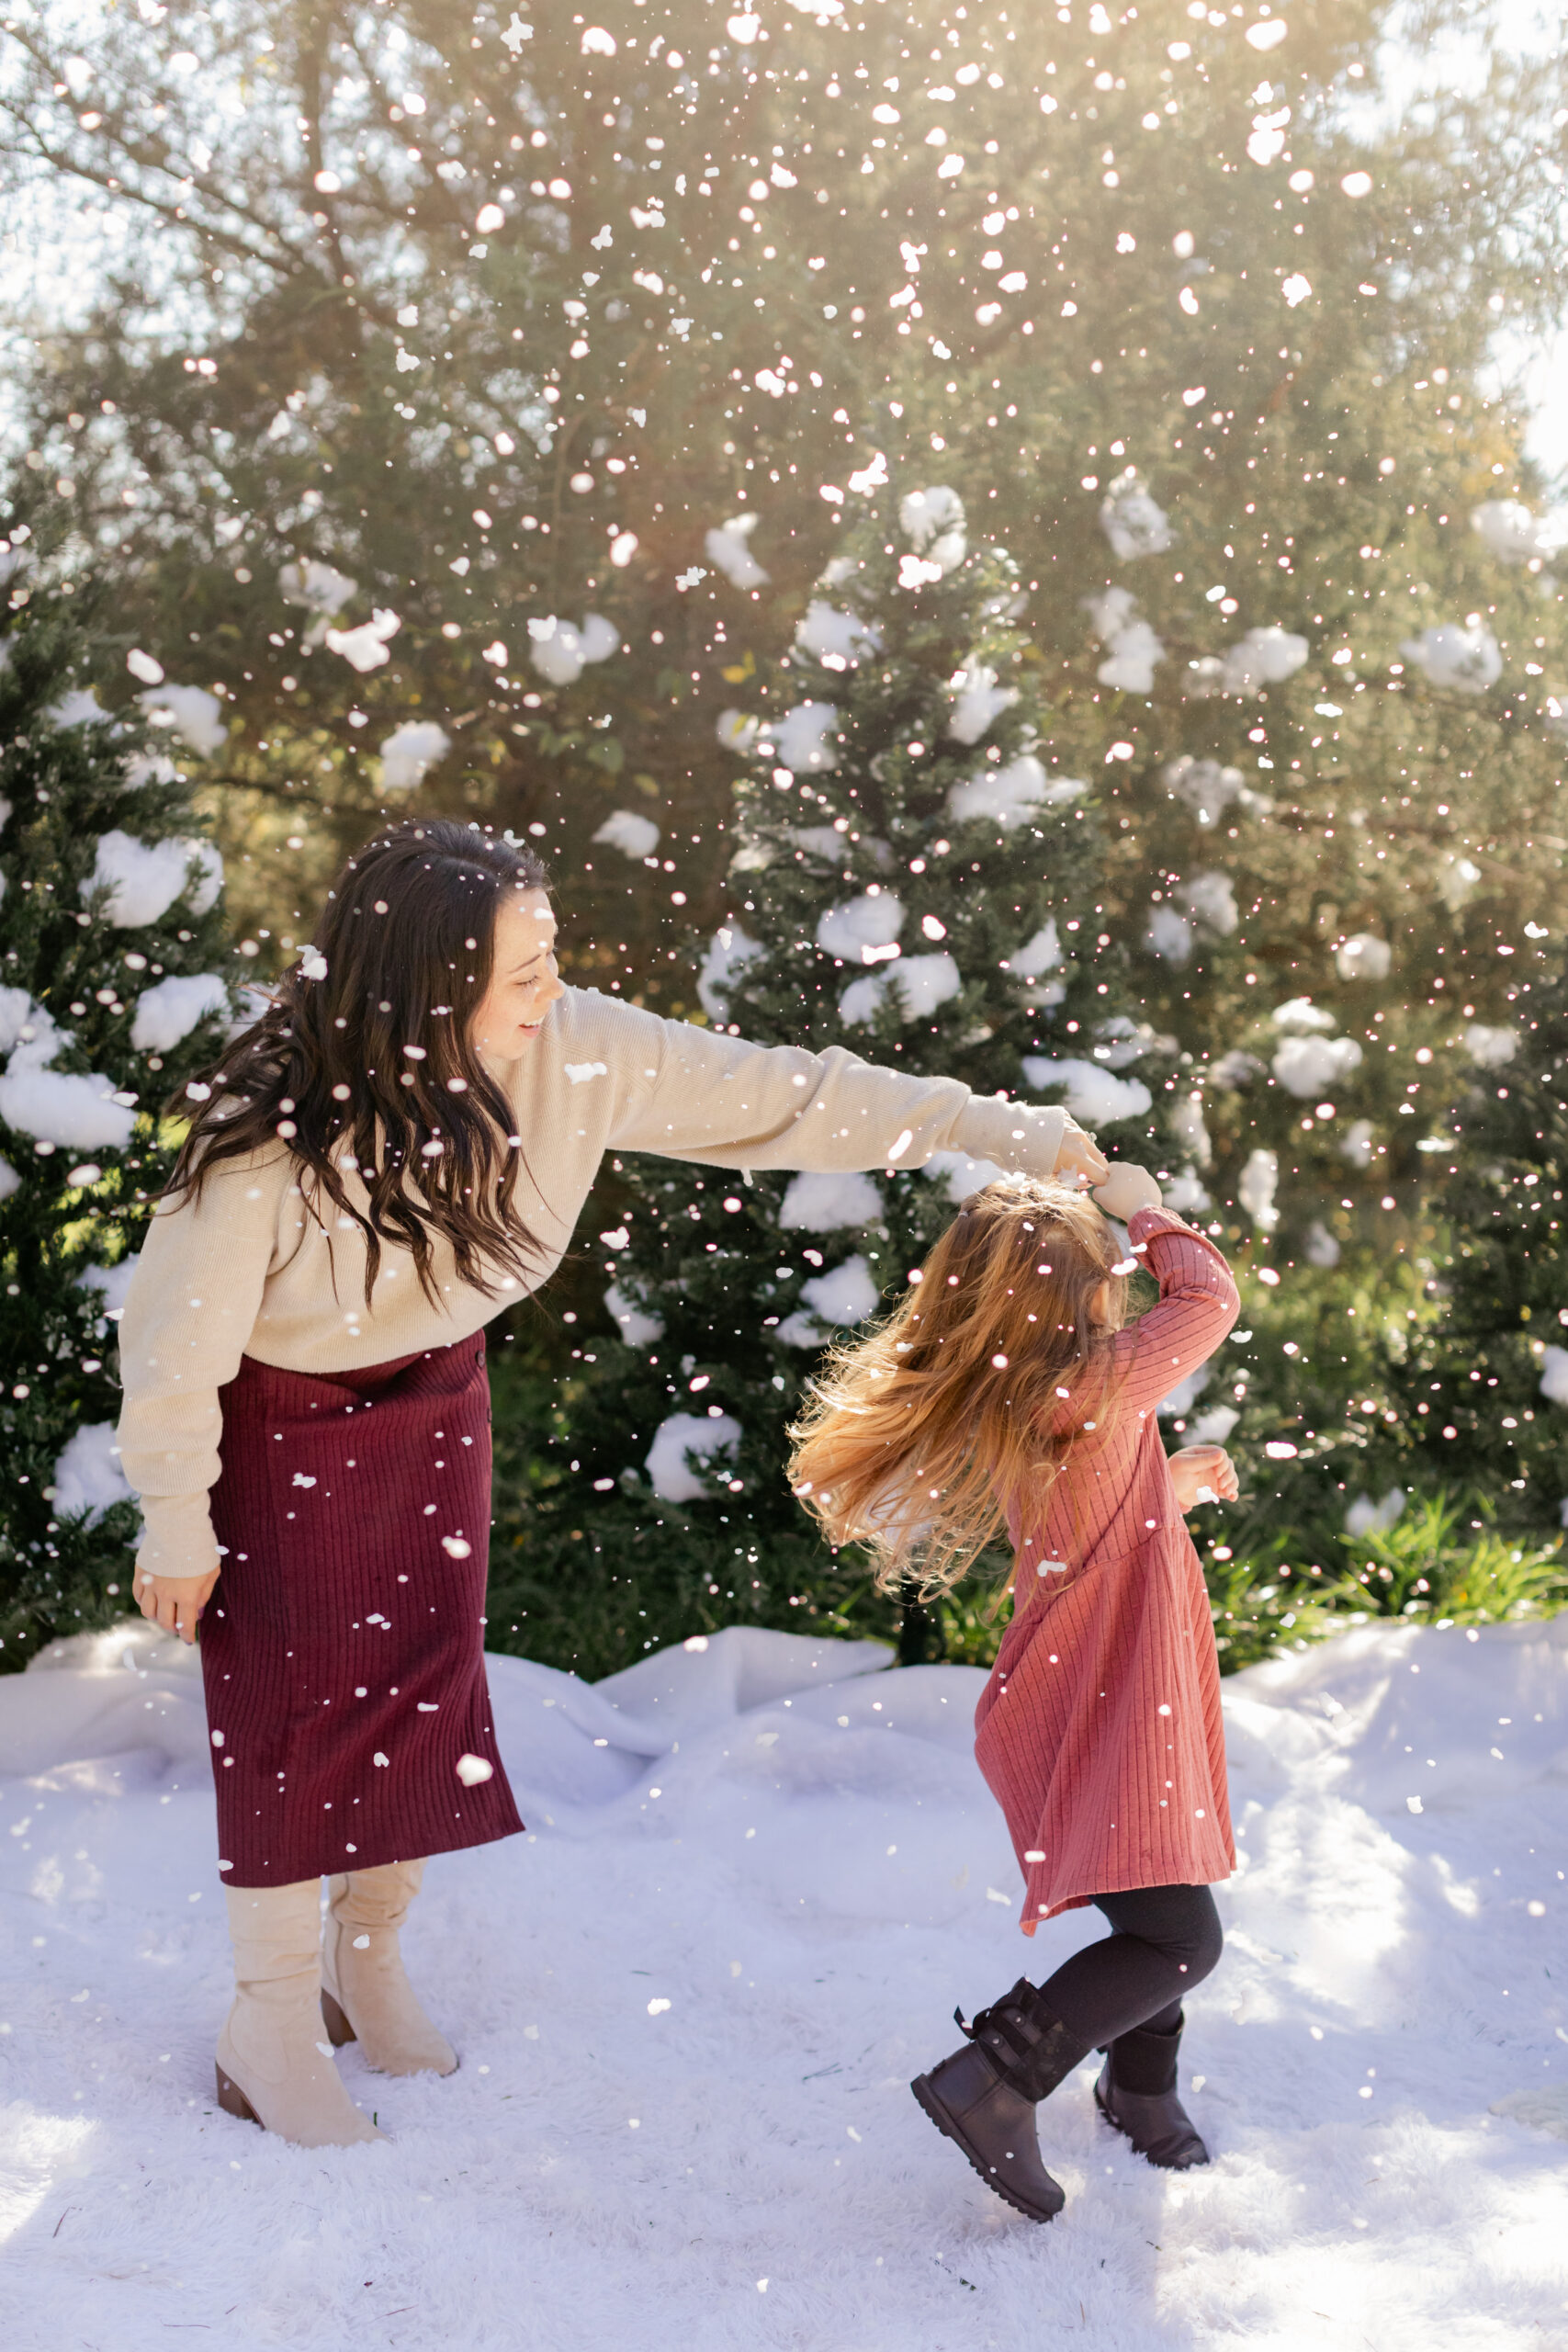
point(232, 2099)
point(339, 2031)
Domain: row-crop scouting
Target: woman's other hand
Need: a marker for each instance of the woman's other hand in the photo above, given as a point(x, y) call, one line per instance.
point(1203, 1473)
point(1080, 1156)
point(175, 1602)
point(1127, 1188)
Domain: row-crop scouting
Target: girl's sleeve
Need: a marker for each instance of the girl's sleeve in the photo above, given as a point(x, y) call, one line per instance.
point(697, 1095)
point(1198, 1305)
point(189, 1312)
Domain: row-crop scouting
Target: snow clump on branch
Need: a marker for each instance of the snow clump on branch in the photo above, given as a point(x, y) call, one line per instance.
point(634, 835)
point(823, 1201)
point(1467, 660)
point(1363, 958)
point(978, 701)
point(1135, 524)
point(727, 549)
point(933, 521)
point(728, 953)
point(1514, 535)
point(365, 648)
point(1132, 647)
point(1092, 1094)
point(560, 652)
point(1265, 657)
point(144, 878)
point(801, 739)
point(87, 1476)
point(681, 1440)
point(838, 639)
point(191, 711)
point(918, 984)
point(410, 752)
point(1009, 796)
point(321, 589)
point(169, 1011)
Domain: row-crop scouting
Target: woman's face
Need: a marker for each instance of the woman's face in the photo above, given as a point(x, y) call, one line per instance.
point(523, 981)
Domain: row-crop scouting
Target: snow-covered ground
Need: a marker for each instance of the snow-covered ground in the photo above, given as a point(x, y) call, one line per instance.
point(757, 1877)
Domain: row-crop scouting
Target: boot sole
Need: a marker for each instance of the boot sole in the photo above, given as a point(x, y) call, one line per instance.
point(339, 2031)
point(932, 2105)
point(1190, 2164)
point(232, 2100)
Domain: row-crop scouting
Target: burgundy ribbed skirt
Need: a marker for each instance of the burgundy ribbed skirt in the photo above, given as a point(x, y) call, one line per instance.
point(342, 1649)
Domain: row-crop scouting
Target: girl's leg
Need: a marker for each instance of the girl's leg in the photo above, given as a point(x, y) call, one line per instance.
point(273, 2066)
point(364, 1994)
point(1124, 1994)
point(1166, 1939)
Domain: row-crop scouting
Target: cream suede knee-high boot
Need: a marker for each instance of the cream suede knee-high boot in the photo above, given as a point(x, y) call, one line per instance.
point(366, 1994)
point(274, 2067)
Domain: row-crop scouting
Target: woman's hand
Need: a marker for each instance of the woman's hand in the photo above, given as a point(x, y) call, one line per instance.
point(1080, 1156)
point(175, 1602)
point(1203, 1473)
point(1127, 1188)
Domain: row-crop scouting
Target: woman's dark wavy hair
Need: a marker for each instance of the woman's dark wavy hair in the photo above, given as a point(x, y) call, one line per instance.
point(373, 1054)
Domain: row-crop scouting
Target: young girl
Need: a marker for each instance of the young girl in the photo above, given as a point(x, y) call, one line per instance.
point(398, 1149)
point(1004, 1391)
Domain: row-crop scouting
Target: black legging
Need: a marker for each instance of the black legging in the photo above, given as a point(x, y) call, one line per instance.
point(1166, 1939)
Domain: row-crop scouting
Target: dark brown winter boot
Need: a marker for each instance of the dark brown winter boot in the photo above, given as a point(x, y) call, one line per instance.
point(984, 2096)
point(1136, 2092)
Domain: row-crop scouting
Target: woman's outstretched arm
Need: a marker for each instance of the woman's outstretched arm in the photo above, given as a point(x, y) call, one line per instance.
point(697, 1095)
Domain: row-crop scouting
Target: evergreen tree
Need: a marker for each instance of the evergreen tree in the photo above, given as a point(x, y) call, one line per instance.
point(1485, 1389)
point(914, 876)
point(112, 994)
point(1179, 295)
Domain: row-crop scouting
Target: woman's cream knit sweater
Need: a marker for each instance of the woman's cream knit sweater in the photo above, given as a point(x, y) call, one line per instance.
point(249, 1271)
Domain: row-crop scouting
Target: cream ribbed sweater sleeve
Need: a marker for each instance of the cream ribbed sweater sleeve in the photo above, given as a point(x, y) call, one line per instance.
point(189, 1312)
point(698, 1095)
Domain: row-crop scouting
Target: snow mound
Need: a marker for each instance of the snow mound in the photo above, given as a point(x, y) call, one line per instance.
point(793, 1847)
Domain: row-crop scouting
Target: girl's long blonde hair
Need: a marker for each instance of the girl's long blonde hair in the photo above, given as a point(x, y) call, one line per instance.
point(923, 1437)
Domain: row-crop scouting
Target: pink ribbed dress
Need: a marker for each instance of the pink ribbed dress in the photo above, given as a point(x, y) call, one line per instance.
point(1100, 1730)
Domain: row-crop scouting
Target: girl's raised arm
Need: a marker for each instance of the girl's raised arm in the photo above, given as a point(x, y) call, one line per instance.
point(1198, 1305)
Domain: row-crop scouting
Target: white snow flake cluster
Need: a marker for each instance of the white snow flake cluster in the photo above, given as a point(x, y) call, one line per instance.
point(560, 651)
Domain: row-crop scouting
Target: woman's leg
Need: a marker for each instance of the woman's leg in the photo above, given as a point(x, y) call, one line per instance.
point(366, 1996)
point(1166, 1939)
point(273, 2066)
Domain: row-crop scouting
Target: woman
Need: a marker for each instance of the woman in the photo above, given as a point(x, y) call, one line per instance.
point(398, 1149)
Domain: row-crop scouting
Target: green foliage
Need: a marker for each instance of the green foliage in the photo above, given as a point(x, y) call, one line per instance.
point(1443, 1561)
point(725, 286)
point(71, 1213)
point(724, 1266)
point(1485, 1385)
